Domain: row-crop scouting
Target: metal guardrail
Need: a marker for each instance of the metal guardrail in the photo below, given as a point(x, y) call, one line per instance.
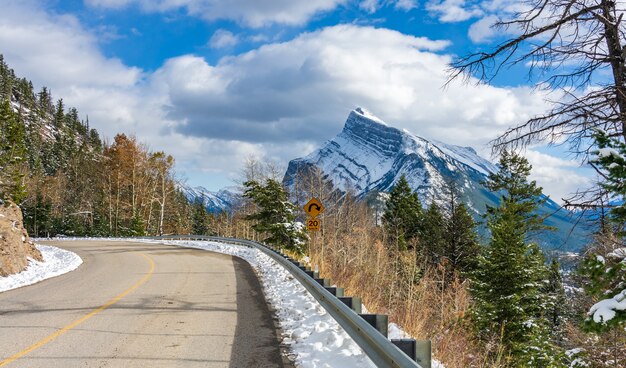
point(377, 347)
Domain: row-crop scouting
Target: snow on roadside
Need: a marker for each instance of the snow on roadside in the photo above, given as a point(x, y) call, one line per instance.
point(56, 262)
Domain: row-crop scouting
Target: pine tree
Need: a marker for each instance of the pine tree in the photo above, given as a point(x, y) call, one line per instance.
point(517, 193)
point(556, 303)
point(12, 155)
point(38, 215)
point(461, 240)
point(508, 284)
point(137, 226)
point(605, 267)
point(200, 222)
point(59, 115)
point(275, 218)
point(403, 214)
point(432, 240)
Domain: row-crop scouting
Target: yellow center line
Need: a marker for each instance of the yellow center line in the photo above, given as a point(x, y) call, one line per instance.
point(82, 319)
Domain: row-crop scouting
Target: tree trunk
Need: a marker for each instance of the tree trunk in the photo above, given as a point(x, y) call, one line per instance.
point(616, 55)
point(164, 194)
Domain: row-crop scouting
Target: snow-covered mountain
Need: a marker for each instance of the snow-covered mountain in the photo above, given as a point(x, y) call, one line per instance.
point(215, 202)
point(370, 156)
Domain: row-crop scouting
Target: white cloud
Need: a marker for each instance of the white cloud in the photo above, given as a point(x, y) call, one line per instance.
point(303, 89)
point(370, 6)
point(449, 11)
point(253, 13)
point(223, 38)
point(42, 45)
point(406, 5)
point(279, 100)
point(481, 31)
point(560, 178)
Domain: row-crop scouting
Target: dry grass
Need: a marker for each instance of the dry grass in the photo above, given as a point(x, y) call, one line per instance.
point(421, 301)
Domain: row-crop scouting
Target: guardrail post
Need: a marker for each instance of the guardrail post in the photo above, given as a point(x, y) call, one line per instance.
point(378, 321)
point(408, 347)
point(353, 302)
point(336, 291)
point(423, 353)
point(324, 282)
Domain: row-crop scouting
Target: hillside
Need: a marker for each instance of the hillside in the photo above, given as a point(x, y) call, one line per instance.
point(68, 181)
point(369, 156)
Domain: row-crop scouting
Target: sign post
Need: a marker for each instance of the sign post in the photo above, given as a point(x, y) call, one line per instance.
point(313, 208)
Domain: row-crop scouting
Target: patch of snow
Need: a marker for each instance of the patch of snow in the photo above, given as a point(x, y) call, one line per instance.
point(570, 353)
point(619, 253)
point(606, 152)
point(604, 310)
point(366, 114)
point(56, 261)
point(395, 332)
point(600, 259)
point(467, 156)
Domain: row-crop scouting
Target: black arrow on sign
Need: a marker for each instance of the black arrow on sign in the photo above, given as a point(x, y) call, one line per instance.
point(318, 208)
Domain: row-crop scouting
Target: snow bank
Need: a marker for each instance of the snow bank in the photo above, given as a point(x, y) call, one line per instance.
point(56, 262)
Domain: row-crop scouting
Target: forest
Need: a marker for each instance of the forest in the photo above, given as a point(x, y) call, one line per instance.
point(69, 181)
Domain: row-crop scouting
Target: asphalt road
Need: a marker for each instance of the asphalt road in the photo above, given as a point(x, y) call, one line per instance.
point(140, 305)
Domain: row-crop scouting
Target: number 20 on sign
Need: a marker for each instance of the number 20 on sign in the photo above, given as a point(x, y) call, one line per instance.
point(313, 224)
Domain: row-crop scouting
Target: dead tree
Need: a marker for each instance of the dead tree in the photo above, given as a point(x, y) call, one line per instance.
point(575, 47)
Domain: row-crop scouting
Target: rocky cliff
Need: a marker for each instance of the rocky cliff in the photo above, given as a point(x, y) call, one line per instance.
point(15, 245)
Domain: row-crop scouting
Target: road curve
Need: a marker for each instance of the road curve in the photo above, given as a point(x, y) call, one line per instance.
point(140, 305)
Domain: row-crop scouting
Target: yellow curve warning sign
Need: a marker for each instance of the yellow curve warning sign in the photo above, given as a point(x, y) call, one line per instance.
point(314, 207)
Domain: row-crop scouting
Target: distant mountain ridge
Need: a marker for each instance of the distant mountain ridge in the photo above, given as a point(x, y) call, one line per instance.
point(370, 156)
point(215, 202)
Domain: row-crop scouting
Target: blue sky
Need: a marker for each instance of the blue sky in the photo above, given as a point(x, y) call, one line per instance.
point(214, 82)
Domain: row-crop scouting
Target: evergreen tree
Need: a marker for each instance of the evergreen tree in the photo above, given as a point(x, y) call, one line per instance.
point(556, 303)
point(137, 226)
point(275, 217)
point(59, 115)
point(508, 284)
point(403, 213)
point(38, 216)
point(605, 267)
point(200, 222)
point(517, 193)
point(432, 240)
point(12, 155)
point(461, 240)
point(6, 80)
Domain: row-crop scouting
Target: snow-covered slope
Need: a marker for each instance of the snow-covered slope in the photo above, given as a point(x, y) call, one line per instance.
point(215, 202)
point(370, 156)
